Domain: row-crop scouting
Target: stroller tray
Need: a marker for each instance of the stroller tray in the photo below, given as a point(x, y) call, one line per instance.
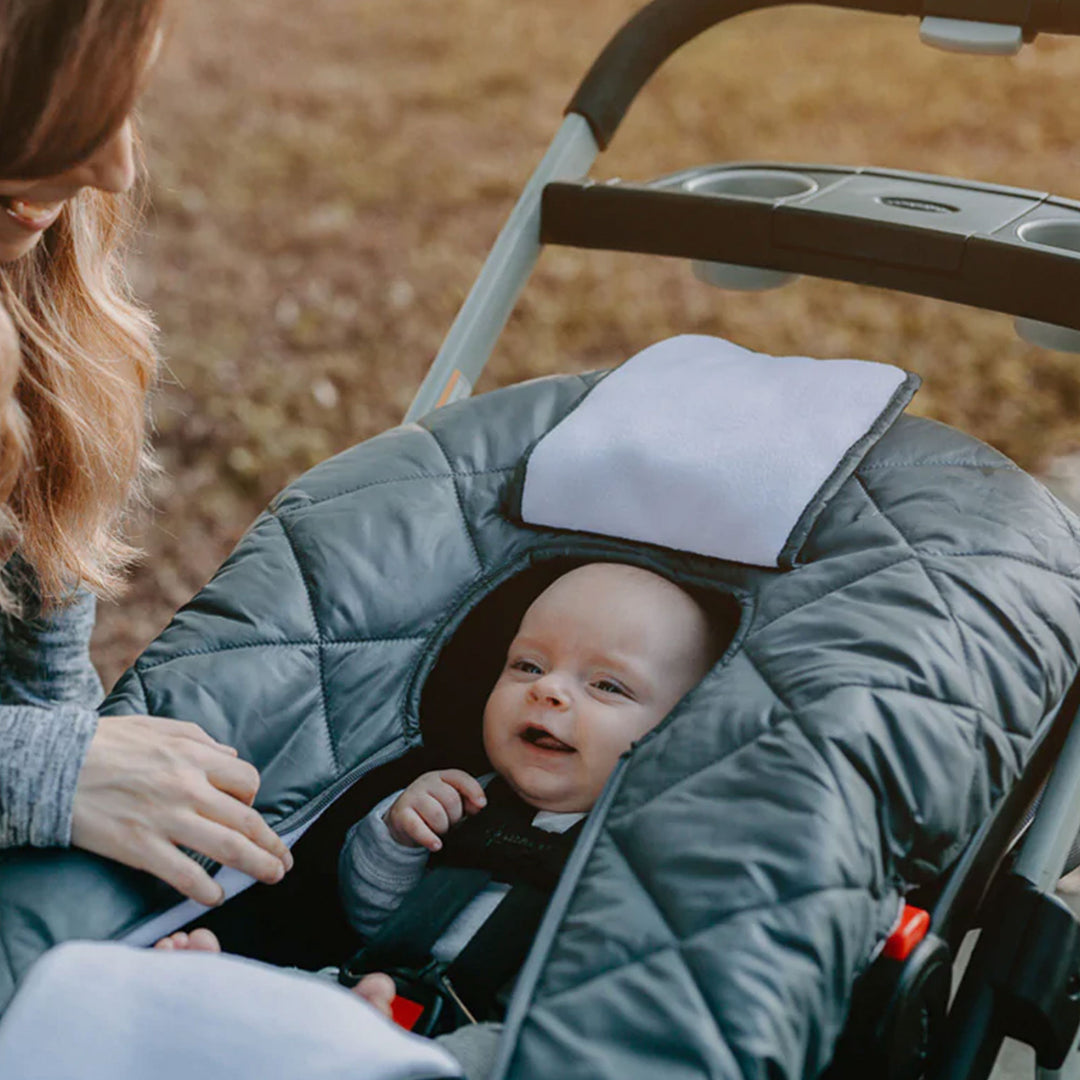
point(990, 246)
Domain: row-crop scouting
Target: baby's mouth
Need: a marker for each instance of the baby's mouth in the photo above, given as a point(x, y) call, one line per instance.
point(541, 737)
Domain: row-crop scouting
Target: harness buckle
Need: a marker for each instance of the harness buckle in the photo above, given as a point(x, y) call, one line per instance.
point(426, 1002)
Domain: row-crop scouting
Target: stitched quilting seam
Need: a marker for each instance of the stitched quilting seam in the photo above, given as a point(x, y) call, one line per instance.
point(640, 805)
point(289, 510)
point(980, 729)
point(755, 631)
point(678, 943)
point(142, 689)
point(1012, 556)
point(840, 788)
point(305, 643)
point(961, 637)
point(935, 464)
point(460, 502)
point(675, 943)
point(323, 696)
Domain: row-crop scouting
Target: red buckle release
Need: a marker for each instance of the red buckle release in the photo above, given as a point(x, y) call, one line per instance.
point(405, 1012)
point(914, 922)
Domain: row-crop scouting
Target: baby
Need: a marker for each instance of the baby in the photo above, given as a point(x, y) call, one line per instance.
point(599, 659)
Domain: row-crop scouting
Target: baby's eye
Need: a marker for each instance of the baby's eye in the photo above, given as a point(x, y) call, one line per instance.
point(526, 666)
point(609, 686)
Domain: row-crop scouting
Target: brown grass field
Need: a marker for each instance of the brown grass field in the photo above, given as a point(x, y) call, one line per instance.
point(327, 177)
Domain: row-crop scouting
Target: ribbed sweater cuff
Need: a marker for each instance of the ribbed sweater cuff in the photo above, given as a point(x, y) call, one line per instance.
point(42, 751)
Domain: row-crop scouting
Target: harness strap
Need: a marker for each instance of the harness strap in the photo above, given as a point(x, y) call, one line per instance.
point(408, 935)
point(497, 950)
point(498, 844)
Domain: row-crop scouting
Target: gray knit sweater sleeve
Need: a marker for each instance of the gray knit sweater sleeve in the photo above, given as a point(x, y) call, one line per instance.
point(49, 691)
point(375, 872)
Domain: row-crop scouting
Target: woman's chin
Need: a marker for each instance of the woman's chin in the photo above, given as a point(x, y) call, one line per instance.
point(13, 249)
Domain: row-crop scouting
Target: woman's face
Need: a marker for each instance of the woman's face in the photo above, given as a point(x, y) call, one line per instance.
point(31, 206)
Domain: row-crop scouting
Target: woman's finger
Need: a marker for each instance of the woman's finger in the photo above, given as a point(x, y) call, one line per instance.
point(225, 810)
point(233, 776)
point(185, 729)
point(166, 861)
point(228, 847)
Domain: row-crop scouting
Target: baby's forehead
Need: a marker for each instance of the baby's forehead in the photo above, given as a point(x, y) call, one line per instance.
point(611, 582)
point(620, 592)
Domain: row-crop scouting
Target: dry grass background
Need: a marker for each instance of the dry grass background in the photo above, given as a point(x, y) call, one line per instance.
point(328, 176)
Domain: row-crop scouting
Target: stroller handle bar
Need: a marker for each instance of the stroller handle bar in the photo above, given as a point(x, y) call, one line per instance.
point(658, 30)
point(1000, 248)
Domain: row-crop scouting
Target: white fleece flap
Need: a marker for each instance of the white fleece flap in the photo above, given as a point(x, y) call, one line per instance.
point(102, 1011)
point(700, 445)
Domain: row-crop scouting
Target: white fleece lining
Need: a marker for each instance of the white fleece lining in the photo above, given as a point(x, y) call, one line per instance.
point(103, 1011)
point(699, 445)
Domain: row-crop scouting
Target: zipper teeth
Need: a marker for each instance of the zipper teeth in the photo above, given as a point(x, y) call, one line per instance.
point(306, 813)
point(522, 995)
point(311, 810)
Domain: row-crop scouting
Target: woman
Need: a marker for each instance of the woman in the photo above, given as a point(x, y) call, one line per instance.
point(76, 361)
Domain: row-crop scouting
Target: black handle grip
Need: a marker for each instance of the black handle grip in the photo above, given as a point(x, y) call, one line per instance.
point(662, 27)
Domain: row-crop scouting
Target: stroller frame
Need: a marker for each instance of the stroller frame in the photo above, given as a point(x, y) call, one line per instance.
point(989, 246)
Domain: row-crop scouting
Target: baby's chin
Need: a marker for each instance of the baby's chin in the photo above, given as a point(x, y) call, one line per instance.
point(552, 798)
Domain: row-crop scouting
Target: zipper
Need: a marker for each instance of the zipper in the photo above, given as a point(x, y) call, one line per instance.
point(521, 998)
point(299, 820)
point(314, 809)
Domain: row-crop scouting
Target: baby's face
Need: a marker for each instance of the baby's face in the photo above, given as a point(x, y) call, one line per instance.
point(600, 658)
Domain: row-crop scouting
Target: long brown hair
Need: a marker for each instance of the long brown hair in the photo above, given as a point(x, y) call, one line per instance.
point(77, 359)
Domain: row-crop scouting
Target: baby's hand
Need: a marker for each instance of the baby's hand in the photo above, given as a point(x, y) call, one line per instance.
point(433, 802)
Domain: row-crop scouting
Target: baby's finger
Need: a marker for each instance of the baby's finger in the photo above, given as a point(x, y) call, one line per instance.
point(178, 940)
point(449, 799)
point(469, 787)
point(417, 829)
point(433, 812)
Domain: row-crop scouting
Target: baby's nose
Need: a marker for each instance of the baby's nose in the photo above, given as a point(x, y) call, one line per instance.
point(549, 691)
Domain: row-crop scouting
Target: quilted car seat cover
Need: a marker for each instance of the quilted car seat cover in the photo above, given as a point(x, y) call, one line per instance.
point(749, 855)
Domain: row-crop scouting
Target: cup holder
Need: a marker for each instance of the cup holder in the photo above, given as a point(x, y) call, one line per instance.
point(1054, 232)
point(1065, 236)
point(1047, 335)
point(740, 278)
point(762, 185)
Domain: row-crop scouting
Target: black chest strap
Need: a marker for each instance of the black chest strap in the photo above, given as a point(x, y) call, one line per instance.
point(498, 844)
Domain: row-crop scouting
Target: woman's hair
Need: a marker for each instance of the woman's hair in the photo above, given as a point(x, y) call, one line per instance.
point(77, 355)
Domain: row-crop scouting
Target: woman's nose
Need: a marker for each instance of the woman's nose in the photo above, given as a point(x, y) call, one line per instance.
point(111, 167)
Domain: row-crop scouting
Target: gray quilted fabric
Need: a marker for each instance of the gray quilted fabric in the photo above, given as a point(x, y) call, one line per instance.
point(750, 854)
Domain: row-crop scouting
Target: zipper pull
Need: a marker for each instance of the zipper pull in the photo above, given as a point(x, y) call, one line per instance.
point(448, 986)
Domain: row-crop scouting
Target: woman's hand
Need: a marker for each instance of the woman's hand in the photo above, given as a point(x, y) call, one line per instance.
point(431, 804)
point(149, 784)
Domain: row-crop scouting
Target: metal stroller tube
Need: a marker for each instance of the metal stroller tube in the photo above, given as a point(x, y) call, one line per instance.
point(658, 30)
point(977, 1023)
